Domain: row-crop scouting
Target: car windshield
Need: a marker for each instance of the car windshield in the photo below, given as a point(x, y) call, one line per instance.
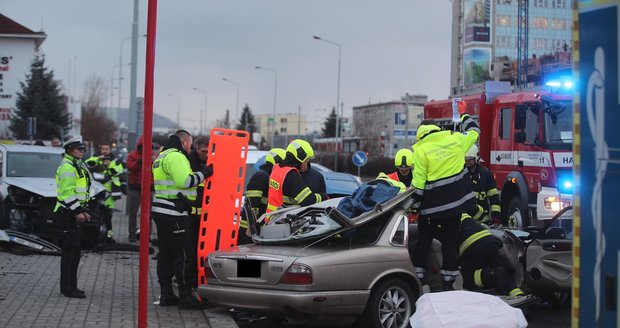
point(32, 165)
point(558, 126)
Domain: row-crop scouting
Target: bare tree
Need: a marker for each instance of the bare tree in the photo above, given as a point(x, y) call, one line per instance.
point(96, 126)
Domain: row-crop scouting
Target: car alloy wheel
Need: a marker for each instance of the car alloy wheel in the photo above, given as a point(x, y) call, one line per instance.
point(389, 306)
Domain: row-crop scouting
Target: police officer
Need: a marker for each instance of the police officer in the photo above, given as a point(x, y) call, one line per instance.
point(111, 169)
point(286, 185)
point(404, 167)
point(175, 185)
point(485, 188)
point(197, 160)
point(482, 265)
point(72, 184)
point(442, 192)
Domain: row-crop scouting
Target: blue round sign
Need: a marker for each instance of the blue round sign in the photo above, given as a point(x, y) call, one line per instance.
point(359, 158)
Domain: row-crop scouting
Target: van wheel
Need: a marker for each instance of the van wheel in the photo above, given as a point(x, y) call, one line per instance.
point(517, 214)
point(390, 305)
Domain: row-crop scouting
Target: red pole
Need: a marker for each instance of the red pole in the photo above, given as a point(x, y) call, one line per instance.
point(147, 150)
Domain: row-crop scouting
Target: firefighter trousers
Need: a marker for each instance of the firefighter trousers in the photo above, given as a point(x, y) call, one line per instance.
point(483, 267)
point(175, 250)
point(446, 231)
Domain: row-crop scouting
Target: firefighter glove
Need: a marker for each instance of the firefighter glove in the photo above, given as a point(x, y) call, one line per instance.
point(496, 218)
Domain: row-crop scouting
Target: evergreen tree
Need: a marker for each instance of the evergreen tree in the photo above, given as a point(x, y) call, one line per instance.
point(329, 126)
point(247, 121)
point(40, 97)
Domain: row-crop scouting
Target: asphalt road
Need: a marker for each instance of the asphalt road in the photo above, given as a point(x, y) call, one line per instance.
point(541, 315)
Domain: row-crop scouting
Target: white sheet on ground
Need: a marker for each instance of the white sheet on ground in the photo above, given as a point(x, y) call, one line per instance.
point(464, 309)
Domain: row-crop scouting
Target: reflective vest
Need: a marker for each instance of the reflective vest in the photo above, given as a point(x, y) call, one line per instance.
point(393, 176)
point(172, 175)
point(72, 183)
point(275, 198)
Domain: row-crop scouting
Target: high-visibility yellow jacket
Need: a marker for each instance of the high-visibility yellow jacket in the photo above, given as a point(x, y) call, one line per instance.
point(172, 175)
point(72, 183)
point(441, 187)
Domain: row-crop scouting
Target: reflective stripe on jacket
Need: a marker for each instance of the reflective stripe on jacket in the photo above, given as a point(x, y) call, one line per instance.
point(172, 175)
point(72, 185)
point(472, 232)
point(485, 192)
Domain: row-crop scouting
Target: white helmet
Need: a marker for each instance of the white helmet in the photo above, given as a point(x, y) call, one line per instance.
point(473, 153)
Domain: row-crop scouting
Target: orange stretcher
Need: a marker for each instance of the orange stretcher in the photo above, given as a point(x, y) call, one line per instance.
point(223, 194)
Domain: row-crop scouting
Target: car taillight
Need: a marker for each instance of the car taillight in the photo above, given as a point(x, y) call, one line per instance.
point(297, 274)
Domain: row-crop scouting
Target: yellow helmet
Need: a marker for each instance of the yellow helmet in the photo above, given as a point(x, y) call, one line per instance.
point(275, 155)
point(472, 153)
point(300, 149)
point(403, 158)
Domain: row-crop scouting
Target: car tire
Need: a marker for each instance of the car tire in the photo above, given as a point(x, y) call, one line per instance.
point(517, 214)
point(390, 305)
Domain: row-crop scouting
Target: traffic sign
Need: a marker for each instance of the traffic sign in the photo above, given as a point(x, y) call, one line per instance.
point(359, 158)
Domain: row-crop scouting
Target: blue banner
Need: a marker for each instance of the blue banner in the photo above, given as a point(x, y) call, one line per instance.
point(600, 164)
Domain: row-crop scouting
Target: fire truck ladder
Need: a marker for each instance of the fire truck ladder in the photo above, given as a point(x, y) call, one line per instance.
point(522, 43)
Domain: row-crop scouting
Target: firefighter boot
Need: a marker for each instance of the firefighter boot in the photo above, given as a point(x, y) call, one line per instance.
point(167, 297)
point(187, 300)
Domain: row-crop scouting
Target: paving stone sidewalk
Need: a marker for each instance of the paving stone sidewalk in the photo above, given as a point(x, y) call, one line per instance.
point(30, 294)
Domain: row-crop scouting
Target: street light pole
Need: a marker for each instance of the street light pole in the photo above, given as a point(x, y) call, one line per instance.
point(275, 97)
point(337, 97)
point(237, 102)
point(204, 111)
point(120, 71)
point(178, 109)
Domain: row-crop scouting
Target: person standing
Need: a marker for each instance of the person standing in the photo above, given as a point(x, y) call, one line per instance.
point(72, 185)
point(175, 189)
point(442, 192)
point(110, 169)
point(286, 185)
point(485, 189)
point(134, 187)
point(404, 167)
point(197, 160)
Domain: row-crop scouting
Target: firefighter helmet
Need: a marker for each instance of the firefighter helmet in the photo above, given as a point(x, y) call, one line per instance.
point(473, 153)
point(403, 158)
point(275, 155)
point(300, 149)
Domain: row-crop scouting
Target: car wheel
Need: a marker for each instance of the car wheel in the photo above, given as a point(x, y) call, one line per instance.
point(517, 216)
point(390, 305)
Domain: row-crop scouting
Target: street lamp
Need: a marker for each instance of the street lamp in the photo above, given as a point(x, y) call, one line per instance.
point(237, 102)
point(337, 98)
point(275, 97)
point(178, 109)
point(204, 111)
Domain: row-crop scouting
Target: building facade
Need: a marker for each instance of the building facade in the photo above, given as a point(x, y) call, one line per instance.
point(18, 45)
point(384, 128)
point(288, 124)
point(485, 41)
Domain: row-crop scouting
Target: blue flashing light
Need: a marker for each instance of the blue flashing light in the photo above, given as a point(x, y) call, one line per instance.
point(566, 185)
point(561, 84)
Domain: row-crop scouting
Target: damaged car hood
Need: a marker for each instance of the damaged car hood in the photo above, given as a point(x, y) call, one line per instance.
point(45, 187)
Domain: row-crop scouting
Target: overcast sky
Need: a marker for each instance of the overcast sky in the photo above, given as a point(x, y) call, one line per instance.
point(389, 47)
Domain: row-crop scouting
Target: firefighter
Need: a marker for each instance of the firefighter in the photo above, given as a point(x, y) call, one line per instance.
point(482, 265)
point(72, 184)
point(197, 160)
point(286, 185)
point(175, 185)
point(404, 167)
point(111, 169)
point(485, 188)
point(442, 192)
point(258, 188)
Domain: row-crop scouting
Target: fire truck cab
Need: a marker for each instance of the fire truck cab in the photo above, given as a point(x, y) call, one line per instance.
point(526, 140)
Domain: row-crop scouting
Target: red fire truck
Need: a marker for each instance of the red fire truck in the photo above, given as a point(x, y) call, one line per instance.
point(526, 140)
